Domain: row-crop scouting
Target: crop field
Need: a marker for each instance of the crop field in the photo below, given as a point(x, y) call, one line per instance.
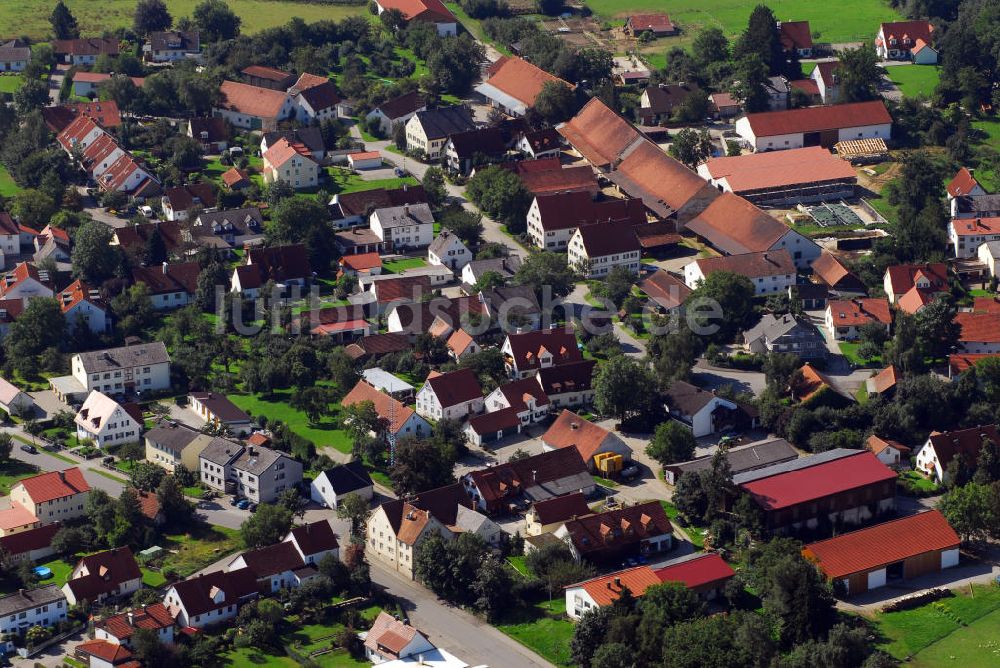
point(31, 17)
point(835, 22)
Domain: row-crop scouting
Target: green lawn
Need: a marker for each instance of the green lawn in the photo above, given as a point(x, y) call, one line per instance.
point(251, 658)
point(399, 266)
point(914, 80)
point(918, 482)
point(345, 181)
point(32, 16)
point(190, 552)
point(10, 82)
point(152, 579)
point(7, 186)
point(844, 21)
point(60, 570)
point(518, 564)
point(11, 472)
point(849, 349)
point(194, 491)
point(911, 631)
point(985, 175)
point(544, 628)
point(276, 406)
point(974, 646)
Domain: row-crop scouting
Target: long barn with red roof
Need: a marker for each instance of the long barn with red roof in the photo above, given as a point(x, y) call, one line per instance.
point(837, 486)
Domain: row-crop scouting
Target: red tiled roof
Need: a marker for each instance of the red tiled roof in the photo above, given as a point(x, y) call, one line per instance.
point(103, 649)
point(978, 327)
point(526, 347)
point(907, 30)
point(104, 112)
point(915, 299)
point(169, 278)
point(657, 22)
point(883, 544)
point(152, 617)
point(858, 312)
point(877, 445)
point(149, 502)
point(191, 195)
point(963, 183)
point(265, 72)
point(572, 431)
point(404, 288)
point(251, 100)
point(618, 528)
point(283, 150)
point(602, 239)
point(490, 423)
point(796, 35)
point(885, 379)
point(455, 387)
point(86, 46)
point(811, 382)
point(559, 179)
point(234, 176)
point(833, 273)
point(361, 261)
point(7, 225)
point(734, 225)
point(975, 226)
point(564, 210)
point(817, 119)
point(421, 10)
point(698, 572)
point(959, 363)
point(815, 482)
point(661, 178)
point(195, 593)
point(74, 133)
point(598, 133)
point(23, 542)
point(665, 289)
point(55, 485)
point(511, 478)
point(77, 292)
point(106, 571)
point(273, 560)
point(388, 633)
point(569, 377)
point(605, 589)
point(777, 169)
point(383, 405)
point(520, 79)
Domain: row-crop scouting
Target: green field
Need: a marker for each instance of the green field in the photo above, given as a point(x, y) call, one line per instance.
point(346, 181)
point(276, 407)
point(974, 646)
point(31, 17)
point(10, 83)
point(399, 266)
point(7, 185)
point(915, 80)
point(844, 21)
point(11, 472)
point(545, 629)
point(943, 627)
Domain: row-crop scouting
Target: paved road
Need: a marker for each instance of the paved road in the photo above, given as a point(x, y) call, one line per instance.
point(459, 632)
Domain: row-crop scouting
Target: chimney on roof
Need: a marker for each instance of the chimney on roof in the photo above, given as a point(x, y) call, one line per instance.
point(62, 476)
point(618, 582)
point(164, 267)
point(131, 618)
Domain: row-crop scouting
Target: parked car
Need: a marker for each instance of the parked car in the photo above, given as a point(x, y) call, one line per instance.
point(30, 449)
point(243, 504)
point(630, 472)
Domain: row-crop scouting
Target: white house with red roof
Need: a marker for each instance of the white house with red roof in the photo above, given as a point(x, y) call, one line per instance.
point(815, 126)
point(54, 496)
point(292, 163)
point(396, 418)
point(10, 237)
point(390, 640)
point(769, 272)
point(253, 107)
point(979, 333)
point(425, 11)
point(512, 84)
point(968, 234)
point(844, 318)
point(964, 184)
point(210, 599)
point(526, 352)
point(911, 286)
point(450, 396)
point(83, 306)
point(524, 396)
point(316, 98)
point(110, 574)
point(25, 282)
point(121, 628)
point(906, 40)
point(889, 452)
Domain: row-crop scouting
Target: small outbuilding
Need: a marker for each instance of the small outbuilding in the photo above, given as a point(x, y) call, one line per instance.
point(365, 160)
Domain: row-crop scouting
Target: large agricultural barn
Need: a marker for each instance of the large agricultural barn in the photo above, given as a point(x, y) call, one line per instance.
point(814, 126)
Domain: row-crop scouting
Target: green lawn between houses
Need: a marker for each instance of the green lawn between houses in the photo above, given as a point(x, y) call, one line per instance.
point(399, 266)
point(543, 628)
point(914, 80)
point(276, 407)
point(945, 628)
point(985, 175)
point(12, 471)
point(7, 186)
point(10, 82)
point(31, 17)
point(844, 21)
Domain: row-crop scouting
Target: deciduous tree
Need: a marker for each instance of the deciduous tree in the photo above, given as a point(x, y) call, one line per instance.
point(672, 442)
point(151, 16)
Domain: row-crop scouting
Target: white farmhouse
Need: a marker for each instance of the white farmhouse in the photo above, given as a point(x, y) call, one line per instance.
point(106, 422)
point(770, 272)
point(450, 396)
point(449, 251)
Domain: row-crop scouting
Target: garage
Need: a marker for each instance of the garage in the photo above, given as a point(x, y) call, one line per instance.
point(902, 549)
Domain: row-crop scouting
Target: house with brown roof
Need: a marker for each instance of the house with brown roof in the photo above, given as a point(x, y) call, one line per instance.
point(795, 36)
point(527, 352)
point(267, 77)
point(253, 107)
point(179, 202)
point(528, 401)
point(540, 477)
point(906, 40)
point(52, 496)
point(568, 385)
point(210, 599)
point(554, 217)
point(547, 515)
point(543, 143)
point(120, 629)
point(292, 163)
point(217, 410)
point(547, 175)
point(590, 440)
point(103, 654)
point(783, 178)
point(664, 290)
point(399, 109)
point(171, 285)
point(30, 545)
point(814, 126)
point(941, 448)
point(845, 317)
point(657, 24)
point(85, 50)
point(134, 238)
point(316, 98)
point(769, 272)
point(396, 419)
point(167, 46)
point(734, 226)
point(703, 411)
point(276, 567)
point(285, 265)
point(109, 574)
point(391, 640)
point(14, 55)
point(889, 452)
point(424, 11)
point(512, 84)
point(454, 395)
point(616, 535)
point(657, 103)
point(594, 250)
point(902, 549)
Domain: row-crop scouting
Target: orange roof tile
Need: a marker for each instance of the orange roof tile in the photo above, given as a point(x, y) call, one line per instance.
point(882, 544)
point(962, 184)
point(55, 485)
point(978, 327)
point(885, 379)
point(520, 79)
point(776, 169)
point(251, 100)
point(598, 133)
point(877, 444)
point(384, 405)
point(606, 589)
point(858, 312)
point(570, 430)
